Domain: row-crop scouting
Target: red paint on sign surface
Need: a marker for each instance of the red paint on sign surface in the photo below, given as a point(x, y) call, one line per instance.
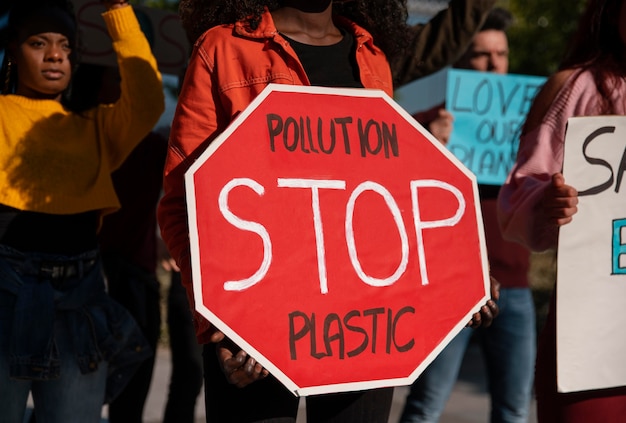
point(334, 239)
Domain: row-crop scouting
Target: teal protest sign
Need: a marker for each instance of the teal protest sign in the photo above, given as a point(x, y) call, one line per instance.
point(489, 110)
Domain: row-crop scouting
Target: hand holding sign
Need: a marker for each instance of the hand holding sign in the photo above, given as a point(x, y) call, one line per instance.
point(559, 201)
point(489, 311)
point(239, 368)
point(441, 127)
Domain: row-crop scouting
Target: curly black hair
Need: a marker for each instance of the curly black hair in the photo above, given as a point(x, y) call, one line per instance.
point(384, 19)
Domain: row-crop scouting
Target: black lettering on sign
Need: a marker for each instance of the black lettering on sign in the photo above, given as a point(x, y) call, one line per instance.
point(456, 106)
point(497, 132)
point(494, 163)
point(600, 162)
point(484, 101)
point(307, 327)
point(291, 143)
point(530, 91)
point(391, 331)
point(374, 313)
point(465, 153)
point(334, 321)
point(376, 136)
point(343, 122)
point(506, 99)
point(346, 321)
point(327, 136)
point(483, 97)
point(335, 330)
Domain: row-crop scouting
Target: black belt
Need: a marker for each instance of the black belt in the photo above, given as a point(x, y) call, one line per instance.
point(63, 270)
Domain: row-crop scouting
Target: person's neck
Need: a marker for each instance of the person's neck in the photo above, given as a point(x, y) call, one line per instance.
point(307, 28)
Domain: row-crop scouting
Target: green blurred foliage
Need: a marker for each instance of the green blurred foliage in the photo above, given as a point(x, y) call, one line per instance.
point(540, 33)
point(171, 5)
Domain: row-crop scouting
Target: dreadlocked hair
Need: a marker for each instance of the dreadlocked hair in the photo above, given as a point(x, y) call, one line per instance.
point(384, 19)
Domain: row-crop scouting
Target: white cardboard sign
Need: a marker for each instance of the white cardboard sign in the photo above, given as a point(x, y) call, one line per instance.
point(591, 277)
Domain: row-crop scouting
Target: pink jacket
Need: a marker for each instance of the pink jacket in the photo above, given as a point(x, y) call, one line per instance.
point(540, 155)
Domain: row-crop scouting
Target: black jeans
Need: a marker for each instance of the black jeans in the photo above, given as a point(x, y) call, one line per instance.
point(138, 291)
point(186, 377)
point(267, 400)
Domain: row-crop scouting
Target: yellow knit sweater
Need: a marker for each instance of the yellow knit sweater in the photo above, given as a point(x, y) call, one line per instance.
point(58, 162)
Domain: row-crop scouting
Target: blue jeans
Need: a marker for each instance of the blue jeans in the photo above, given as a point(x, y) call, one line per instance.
point(138, 291)
point(508, 347)
point(73, 397)
point(61, 337)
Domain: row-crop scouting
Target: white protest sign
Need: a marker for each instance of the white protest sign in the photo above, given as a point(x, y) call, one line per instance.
point(591, 277)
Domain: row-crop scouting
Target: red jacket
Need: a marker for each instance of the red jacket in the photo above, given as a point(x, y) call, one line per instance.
point(231, 64)
point(229, 67)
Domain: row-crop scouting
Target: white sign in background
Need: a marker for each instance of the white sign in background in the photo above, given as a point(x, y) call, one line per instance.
point(591, 276)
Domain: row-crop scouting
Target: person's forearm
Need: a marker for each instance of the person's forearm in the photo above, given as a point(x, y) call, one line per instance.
point(441, 41)
point(142, 100)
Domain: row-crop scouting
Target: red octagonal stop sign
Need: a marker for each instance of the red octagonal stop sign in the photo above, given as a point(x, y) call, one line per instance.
point(334, 239)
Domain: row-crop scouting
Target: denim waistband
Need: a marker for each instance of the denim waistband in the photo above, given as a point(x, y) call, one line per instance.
point(50, 267)
point(101, 329)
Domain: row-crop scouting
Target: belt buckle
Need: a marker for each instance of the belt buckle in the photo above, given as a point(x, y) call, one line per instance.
point(71, 270)
point(52, 271)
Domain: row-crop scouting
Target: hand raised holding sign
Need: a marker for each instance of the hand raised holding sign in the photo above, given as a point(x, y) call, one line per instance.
point(559, 201)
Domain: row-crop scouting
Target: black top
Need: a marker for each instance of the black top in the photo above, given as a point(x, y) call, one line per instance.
point(48, 233)
point(340, 58)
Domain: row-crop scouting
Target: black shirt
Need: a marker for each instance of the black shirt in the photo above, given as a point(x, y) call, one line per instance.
point(330, 66)
point(48, 233)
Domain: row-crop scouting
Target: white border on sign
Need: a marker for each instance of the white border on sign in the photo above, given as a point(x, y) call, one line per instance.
point(195, 254)
point(590, 344)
